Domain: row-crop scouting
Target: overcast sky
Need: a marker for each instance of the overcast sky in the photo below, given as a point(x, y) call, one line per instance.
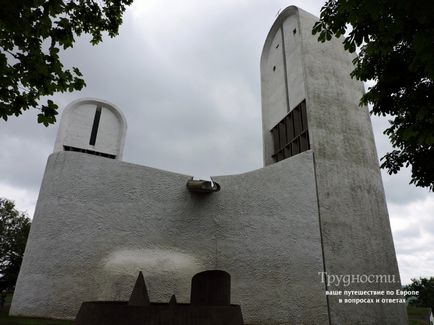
point(186, 76)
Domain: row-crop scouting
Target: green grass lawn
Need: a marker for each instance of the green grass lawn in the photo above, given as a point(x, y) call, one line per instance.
point(418, 316)
point(5, 319)
point(417, 311)
point(417, 322)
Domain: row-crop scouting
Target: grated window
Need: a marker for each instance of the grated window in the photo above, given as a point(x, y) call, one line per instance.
point(290, 135)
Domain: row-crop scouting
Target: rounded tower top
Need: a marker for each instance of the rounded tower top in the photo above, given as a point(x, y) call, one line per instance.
point(92, 126)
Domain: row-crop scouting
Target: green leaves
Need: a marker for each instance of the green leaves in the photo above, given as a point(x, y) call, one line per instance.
point(14, 230)
point(395, 39)
point(425, 287)
point(48, 113)
point(325, 34)
point(28, 68)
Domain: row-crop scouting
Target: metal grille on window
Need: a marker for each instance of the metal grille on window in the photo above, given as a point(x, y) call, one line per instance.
point(290, 135)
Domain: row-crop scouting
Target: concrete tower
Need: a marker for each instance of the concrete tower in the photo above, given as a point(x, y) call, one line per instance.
point(309, 102)
point(92, 126)
point(317, 206)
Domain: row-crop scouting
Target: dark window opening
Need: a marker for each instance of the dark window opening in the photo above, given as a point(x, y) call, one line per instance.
point(95, 126)
point(274, 68)
point(290, 135)
point(294, 31)
point(91, 152)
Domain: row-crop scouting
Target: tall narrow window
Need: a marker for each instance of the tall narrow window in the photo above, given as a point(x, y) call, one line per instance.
point(95, 126)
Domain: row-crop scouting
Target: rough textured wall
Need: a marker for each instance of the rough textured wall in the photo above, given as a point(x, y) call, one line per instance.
point(99, 221)
point(282, 81)
point(355, 226)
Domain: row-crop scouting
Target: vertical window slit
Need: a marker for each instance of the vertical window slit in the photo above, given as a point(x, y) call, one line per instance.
point(95, 126)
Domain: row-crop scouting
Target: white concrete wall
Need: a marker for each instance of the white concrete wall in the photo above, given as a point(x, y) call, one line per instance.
point(76, 127)
point(294, 64)
point(279, 58)
point(355, 225)
point(99, 221)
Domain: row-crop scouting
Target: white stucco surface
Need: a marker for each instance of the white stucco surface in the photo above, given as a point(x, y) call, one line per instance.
point(99, 221)
point(77, 122)
point(355, 227)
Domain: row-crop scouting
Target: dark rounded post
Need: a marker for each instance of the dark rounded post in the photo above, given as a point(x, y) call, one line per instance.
point(211, 288)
